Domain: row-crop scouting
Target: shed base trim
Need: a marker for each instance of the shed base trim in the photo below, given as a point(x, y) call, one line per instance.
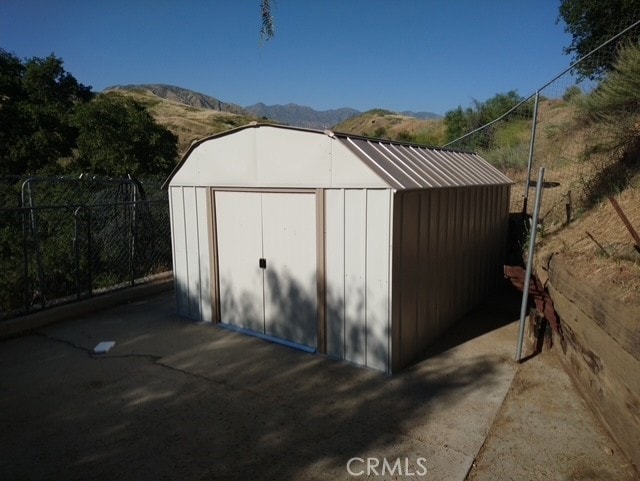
point(267, 337)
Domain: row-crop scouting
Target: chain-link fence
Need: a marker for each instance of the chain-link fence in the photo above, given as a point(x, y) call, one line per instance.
point(557, 140)
point(63, 239)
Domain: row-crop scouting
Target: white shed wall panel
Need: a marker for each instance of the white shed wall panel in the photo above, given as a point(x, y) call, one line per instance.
point(191, 251)
point(334, 271)
point(358, 275)
point(179, 246)
point(290, 158)
point(203, 220)
point(347, 171)
point(227, 161)
point(355, 242)
point(378, 278)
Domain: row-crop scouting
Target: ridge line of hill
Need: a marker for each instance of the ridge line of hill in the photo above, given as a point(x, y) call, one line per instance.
point(290, 113)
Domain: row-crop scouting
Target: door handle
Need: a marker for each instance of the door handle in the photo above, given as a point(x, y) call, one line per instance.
point(262, 263)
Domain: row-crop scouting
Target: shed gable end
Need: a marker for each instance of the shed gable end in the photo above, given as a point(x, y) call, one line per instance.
point(274, 157)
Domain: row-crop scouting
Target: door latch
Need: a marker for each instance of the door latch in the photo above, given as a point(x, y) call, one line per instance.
point(262, 263)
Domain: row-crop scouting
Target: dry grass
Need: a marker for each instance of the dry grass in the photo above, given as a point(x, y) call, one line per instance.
point(560, 143)
point(613, 264)
point(395, 127)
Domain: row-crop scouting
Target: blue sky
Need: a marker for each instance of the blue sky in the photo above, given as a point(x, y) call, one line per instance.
point(420, 55)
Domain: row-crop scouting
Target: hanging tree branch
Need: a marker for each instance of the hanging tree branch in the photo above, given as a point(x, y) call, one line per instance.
point(268, 30)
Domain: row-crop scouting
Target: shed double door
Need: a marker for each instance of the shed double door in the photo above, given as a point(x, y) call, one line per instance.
point(267, 263)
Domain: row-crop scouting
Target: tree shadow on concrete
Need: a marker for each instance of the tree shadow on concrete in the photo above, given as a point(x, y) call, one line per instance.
point(191, 402)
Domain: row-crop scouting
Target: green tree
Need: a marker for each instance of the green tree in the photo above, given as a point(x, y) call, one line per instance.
point(117, 136)
point(37, 98)
point(500, 104)
point(459, 122)
point(456, 123)
point(593, 22)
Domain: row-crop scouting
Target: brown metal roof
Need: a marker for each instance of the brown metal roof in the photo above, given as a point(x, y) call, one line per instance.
point(410, 166)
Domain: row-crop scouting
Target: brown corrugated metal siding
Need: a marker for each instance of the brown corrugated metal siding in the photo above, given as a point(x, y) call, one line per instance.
point(449, 247)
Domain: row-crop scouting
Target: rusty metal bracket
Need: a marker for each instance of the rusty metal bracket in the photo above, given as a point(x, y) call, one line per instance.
point(537, 291)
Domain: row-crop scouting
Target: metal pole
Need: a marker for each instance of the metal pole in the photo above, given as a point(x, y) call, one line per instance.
point(132, 227)
point(532, 144)
point(527, 277)
point(89, 252)
point(76, 250)
point(25, 258)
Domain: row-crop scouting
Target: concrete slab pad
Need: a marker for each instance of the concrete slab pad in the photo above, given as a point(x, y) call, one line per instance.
point(177, 400)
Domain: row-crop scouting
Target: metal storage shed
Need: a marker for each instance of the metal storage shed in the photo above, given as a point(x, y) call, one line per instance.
point(362, 249)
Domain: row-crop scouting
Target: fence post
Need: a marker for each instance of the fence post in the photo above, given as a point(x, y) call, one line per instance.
point(132, 235)
point(76, 250)
point(532, 145)
point(36, 240)
point(89, 252)
point(527, 277)
point(25, 260)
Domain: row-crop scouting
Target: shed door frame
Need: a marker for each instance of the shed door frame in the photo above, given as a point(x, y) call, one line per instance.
point(320, 255)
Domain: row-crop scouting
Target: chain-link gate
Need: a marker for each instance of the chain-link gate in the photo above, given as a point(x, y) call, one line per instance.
point(69, 239)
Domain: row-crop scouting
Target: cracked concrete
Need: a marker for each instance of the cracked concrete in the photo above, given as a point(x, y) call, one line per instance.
point(177, 400)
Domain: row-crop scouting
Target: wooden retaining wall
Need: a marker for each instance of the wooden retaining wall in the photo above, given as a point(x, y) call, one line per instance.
point(601, 351)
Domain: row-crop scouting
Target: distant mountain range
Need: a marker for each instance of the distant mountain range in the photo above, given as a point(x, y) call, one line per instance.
point(290, 114)
point(421, 115)
point(184, 96)
point(301, 116)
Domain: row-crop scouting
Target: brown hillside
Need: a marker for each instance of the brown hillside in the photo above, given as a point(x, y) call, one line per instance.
point(388, 125)
point(187, 122)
